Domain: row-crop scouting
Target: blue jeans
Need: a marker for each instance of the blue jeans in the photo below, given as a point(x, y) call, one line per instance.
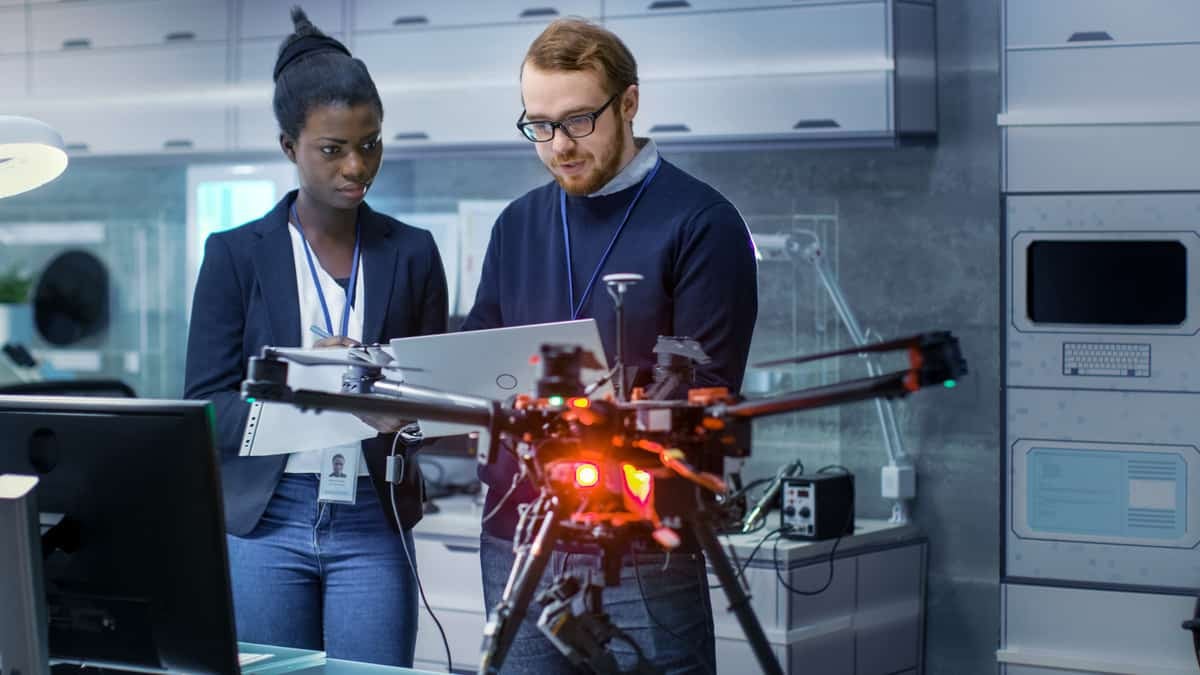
point(675, 597)
point(326, 576)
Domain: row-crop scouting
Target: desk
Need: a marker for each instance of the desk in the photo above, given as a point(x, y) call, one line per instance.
point(869, 621)
point(290, 660)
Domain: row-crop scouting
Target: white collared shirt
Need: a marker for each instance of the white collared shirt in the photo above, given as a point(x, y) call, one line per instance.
point(311, 315)
point(634, 172)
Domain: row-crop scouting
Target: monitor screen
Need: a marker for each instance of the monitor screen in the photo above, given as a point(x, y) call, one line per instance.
point(1118, 283)
point(135, 567)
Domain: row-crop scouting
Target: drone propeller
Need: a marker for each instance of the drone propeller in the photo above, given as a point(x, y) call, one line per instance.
point(912, 342)
point(368, 357)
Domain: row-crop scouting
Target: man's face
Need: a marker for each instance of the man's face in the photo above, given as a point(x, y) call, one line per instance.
point(581, 166)
point(338, 464)
point(338, 153)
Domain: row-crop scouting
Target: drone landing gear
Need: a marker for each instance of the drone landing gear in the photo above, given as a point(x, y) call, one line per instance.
point(573, 619)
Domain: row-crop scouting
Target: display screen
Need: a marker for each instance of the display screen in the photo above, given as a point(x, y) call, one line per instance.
point(1123, 283)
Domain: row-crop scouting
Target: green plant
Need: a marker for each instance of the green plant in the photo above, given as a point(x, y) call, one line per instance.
point(14, 286)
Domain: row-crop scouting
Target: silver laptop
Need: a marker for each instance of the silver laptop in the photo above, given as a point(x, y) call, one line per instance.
point(495, 363)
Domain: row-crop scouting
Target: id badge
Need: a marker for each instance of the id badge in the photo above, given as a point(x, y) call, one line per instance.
point(339, 474)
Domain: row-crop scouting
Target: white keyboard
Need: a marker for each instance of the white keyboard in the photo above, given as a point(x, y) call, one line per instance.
point(1106, 359)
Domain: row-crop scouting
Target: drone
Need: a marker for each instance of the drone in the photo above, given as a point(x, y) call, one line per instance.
point(611, 473)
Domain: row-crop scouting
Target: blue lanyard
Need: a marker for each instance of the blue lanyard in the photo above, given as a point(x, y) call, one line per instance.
point(312, 268)
point(562, 208)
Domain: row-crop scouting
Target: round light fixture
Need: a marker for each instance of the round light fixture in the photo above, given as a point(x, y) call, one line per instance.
point(31, 155)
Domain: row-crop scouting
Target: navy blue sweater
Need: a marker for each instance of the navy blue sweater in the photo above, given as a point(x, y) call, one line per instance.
point(686, 239)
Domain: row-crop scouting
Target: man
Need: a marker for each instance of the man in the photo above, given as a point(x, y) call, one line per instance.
point(339, 463)
point(614, 206)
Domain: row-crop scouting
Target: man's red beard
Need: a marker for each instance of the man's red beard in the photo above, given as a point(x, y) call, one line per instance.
point(598, 176)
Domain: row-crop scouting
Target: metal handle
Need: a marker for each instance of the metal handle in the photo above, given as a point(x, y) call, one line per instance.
point(537, 12)
point(77, 43)
point(180, 36)
point(461, 548)
point(670, 129)
point(669, 4)
point(177, 144)
point(411, 136)
point(415, 20)
point(1090, 36)
point(817, 123)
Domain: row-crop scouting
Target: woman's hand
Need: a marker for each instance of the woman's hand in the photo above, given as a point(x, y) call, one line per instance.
point(384, 424)
point(336, 341)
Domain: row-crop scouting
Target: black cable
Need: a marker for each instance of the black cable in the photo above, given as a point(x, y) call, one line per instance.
point(409, 557)
point(637, 573)
point(828, 580)
point(741, 573)
point(832, 552)
point(839, 467)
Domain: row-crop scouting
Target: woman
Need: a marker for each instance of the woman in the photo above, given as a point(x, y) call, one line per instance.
point(311, 567)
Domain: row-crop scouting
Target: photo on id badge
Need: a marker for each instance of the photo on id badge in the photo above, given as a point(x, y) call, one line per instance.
point(339, 474)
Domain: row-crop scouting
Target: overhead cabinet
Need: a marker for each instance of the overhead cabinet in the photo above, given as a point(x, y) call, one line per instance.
point(141, 129)
point(711, 71)
point(375, 15)
point(1101, 95)
point(817, 72)
point(147, 71)
point(74, 25)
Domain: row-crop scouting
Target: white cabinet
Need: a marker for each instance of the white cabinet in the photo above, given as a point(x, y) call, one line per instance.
point(875, 598)
point(712, 71)
point(1130, 82)
point(12, 31)
point(1100, 95)
point(421, 118)
point(256, 128)
point(273, 18)
point(821, 72)
point(139, 129)
point(798, 106)
point(12, 76)
point(375, 15)
point(1102, 158)
point(114, 72)
point(458, 58)
point(1043, 23)
point(824, 38)
point(71, 25)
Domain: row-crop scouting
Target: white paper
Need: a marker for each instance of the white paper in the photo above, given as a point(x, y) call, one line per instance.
point(280, 428)
point(445, 230)
point(1152, 494)
point(476, 220)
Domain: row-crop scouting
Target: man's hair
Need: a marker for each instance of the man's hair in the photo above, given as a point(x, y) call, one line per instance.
point(337, 457)
point(576, 44)
point(313, 69)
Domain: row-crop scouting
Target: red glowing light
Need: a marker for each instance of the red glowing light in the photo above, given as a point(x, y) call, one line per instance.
point(534, 360)
point(586, 474)
point(638, 483)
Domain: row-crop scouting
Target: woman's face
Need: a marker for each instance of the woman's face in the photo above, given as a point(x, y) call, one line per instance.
point(338, 153)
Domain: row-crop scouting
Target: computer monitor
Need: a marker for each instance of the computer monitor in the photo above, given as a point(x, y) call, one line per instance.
point(136, 575)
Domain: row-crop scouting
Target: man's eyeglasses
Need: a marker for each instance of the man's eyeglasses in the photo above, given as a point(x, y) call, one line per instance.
point(576, 126)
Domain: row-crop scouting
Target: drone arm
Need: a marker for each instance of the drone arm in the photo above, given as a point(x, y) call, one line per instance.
point(267, 381)
point(891, 384)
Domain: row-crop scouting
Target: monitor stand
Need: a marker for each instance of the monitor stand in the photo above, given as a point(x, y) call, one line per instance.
point(24, 628)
